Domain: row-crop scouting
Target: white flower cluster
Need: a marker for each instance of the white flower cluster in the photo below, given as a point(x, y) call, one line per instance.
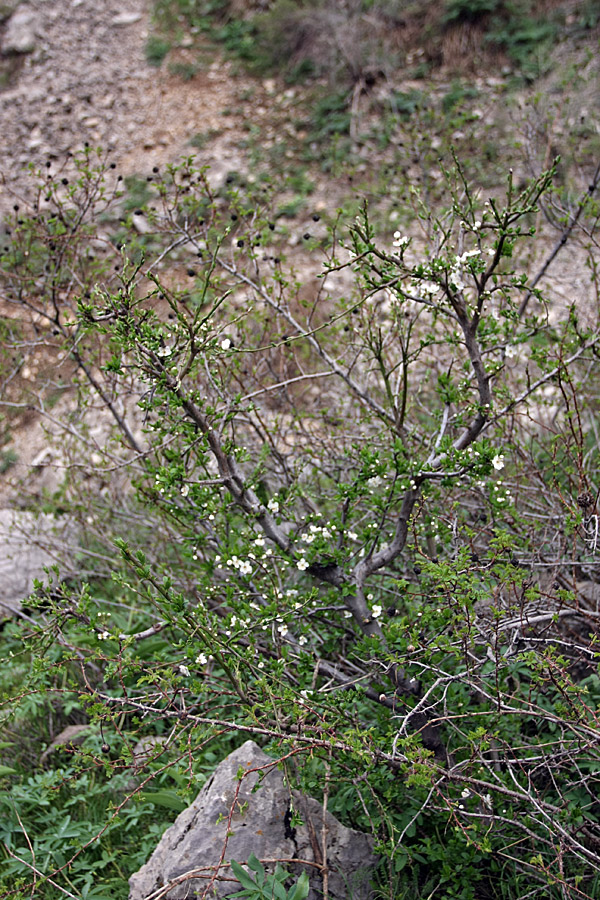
point(464, 257)
point(429, 287)
point(503, 494)
point(400, 240)
point(273, 506)
point(244, 623)
point(243, 566)
point(309, 536)
point(457, 270)
point(313, 532)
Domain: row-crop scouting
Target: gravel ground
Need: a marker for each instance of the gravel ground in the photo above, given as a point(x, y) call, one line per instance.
point(85, 77)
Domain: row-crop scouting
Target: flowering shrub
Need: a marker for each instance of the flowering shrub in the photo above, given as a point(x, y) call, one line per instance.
point(351, 521)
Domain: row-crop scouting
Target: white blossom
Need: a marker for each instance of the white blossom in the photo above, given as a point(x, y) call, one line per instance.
point(400, 240)
point(302, 564)
point(183, 670)
point(201, 659)
point(377, 610)
point(466, 256)
point(498, 461)
point(456, 279)
point(273, 505)
point(225, 344)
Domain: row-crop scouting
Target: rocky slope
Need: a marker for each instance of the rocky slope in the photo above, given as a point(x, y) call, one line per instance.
point(76, 71)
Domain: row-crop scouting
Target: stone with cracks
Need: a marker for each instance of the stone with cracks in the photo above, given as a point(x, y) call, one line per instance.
point(231, 818)
point(20, 35)
point(28, 544)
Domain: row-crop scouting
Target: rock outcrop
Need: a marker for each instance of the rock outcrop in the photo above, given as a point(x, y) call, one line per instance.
point(245, 808)
point(20, 35)
point(28, 544)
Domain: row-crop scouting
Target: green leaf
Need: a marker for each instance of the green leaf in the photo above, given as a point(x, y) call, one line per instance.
point(278, 890)
point(300, 890)
point(6, 770)
point(169, 799)
point(255, 864)
point(242, 876)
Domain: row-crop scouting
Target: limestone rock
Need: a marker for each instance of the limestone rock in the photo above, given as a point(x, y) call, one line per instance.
point(20, 36)
point(127, 18)
point(28, 543)
point(146, 749)
point(257, 822)
point(7, 8)
point(68, 737)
